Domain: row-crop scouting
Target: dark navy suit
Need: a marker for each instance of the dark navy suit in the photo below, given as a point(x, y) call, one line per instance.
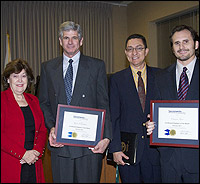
point(184, 161)
point(127, 116)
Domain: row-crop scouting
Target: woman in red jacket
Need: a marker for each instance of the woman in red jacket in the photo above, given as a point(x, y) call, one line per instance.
point(23, 131)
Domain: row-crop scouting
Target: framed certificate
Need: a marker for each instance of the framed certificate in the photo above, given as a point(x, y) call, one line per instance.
point(176, 123)
point(79, 126)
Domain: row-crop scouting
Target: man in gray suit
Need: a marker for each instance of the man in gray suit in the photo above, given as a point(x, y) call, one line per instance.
point(89, 89)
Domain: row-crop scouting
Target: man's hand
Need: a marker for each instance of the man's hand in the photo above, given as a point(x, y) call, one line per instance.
point(118, 156)
point(101, 146)
point(52, 138)
point(150, 125)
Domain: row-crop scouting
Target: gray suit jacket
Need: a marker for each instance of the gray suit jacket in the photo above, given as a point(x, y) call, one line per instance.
point(90, 90)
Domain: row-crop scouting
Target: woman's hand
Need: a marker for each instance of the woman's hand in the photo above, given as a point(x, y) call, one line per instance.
point(30, 157)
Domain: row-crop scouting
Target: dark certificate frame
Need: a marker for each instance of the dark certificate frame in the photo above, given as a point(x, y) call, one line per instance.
point(155, 105)
point(81, 143)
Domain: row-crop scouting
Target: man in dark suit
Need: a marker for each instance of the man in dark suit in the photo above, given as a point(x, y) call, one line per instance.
point(179, 164)
point(89, 89)
point(129, 115)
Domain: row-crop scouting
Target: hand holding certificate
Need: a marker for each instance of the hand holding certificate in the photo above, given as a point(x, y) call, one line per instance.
point(177, 123)
point(79, 126)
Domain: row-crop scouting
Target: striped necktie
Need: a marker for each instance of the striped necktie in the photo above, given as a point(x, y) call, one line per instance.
point(141, 90)
point(68, 81)
point(183, 85)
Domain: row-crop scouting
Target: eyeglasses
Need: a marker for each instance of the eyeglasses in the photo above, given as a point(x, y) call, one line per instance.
point(137, 49)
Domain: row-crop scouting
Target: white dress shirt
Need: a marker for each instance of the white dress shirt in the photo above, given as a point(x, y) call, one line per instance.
point(75, 64)
point(189, 72)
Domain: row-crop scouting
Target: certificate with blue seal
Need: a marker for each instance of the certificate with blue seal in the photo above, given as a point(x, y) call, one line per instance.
point(176, 123)
point(79, 126)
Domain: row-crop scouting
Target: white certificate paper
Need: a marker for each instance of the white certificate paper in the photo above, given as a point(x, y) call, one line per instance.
point(178, 123)
point(79, 126)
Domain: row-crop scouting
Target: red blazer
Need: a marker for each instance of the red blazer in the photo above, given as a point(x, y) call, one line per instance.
point(13, 136)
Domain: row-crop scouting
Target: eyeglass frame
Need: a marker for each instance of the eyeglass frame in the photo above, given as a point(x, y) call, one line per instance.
point(137, 49)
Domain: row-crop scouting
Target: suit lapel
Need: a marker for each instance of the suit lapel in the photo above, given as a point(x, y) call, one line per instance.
point(58, 81)
point(131, 87)
point(13, 103)
point(33, 109)
point(82, 76)
point(193, 91)
point(150, 85)
point(171, 72)
point(130, 81)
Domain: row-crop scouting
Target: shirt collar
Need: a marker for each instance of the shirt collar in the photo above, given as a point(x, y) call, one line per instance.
point(142, 71)
point(190, 66)
point(75, 58)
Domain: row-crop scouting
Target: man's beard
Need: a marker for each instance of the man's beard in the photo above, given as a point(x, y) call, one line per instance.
point(183, 57)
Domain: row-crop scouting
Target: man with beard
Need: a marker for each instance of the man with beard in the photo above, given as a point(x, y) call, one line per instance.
point(179, 164)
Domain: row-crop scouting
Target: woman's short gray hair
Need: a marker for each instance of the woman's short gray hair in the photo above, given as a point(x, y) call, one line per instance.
point(69, 25)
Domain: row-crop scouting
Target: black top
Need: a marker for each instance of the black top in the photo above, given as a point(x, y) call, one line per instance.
point(29, 127)
point(28, 174)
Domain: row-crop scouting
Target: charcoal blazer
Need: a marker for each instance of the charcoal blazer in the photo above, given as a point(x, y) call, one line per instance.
point(90, 90)
point(127, 114)
point(166, 90)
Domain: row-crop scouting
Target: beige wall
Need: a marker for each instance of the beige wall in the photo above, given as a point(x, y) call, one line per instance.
point(140, 17)
point(119, 37)
point(147, 12)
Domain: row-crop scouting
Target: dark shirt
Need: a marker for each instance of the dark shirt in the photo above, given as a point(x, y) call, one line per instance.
point(28, 174)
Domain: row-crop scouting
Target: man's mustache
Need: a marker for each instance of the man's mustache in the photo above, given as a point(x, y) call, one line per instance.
point(183, 50)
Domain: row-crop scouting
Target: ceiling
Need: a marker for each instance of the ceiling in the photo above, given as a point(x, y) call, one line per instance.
point(117, 3)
